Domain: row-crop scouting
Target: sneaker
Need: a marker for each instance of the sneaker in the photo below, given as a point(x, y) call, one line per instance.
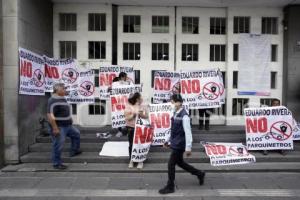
point(61, 167)
point(140, 165)
point(119, 134)
point(76, 153)
point(265, 152)
point(166, 190)
point(201, 178)
point(130, 165)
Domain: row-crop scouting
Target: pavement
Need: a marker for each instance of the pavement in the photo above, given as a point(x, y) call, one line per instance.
point(91, 186)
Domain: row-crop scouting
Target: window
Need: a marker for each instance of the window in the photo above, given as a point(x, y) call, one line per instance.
point(160, 51)
point(160, 24)
point(131, 24)
point(131, 51)
point(217, 52)
point(190, 25)
point(137, 76)
point(241, 25)
point(97, 22)
point(274, 53)
point(235, 52)
point(235, 79)
point(269, 25)
point(238, 106)
point(67, 22)
point(74, 109)
point(67, 49)
point(189, 52)
point(266, 102)
point(224, 74)
point(217, 25)
point(273, 80)
point(98, 108)
point(97, 50)
point(96, 72)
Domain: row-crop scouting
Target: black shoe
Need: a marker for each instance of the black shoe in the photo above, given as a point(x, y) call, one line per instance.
point(207, 128)
point(166, 190)
point(76, 153)
point(200, 127)
point(265, 152)
point(62, 167)
point(201, 178)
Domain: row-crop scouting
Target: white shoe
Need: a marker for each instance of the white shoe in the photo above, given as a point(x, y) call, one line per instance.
point(130, 166)
point(140, 165)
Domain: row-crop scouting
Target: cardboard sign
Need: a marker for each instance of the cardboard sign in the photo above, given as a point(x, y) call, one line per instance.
point(165, 85)
point(32, 73)
point(296, 130)
point(269, 128)
point(200, 89)
point(143, 136)
point(160, 119)
point(228, 154)
point(106, 76)
point(119, 98)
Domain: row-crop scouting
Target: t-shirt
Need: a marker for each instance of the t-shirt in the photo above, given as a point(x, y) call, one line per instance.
point(60, 109)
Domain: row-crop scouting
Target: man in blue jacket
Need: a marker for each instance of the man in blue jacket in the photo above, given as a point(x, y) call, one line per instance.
point(180, 143)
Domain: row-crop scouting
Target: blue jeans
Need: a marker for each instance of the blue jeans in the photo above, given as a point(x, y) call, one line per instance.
point(59, 140)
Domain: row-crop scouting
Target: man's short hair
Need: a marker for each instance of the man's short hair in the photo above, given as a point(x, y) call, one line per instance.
point(56, 86)
point(274, 100)
point(177, 98)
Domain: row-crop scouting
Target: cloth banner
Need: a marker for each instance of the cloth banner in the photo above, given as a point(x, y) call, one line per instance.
point(269, 128)
point(32, 73)
point(254, 60)
point(119, 98)
point(160, 120)
point(228, 154)
point(296, 130)
point(60, 71)
point(115, 149)
point(143, 136)
point(222, 88)
point(165, 85)
point(200, 89)
point(84, 90)
point(106, 76)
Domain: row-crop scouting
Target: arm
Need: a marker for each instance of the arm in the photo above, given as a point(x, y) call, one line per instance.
point(53, 124)
point(129, 114)
point(188, 133)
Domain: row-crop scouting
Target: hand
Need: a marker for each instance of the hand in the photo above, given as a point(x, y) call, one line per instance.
point(188, 153)
point(56, 131)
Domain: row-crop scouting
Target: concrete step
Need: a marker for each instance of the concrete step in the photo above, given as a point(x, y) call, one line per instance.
point(154, 167)
point(91, 138)
point(153, 157)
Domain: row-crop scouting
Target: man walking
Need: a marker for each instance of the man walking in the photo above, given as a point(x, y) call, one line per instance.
point(59, 117)
point(180, 142)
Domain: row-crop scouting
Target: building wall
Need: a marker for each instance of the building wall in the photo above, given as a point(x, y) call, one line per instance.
point(175, 38)
point(1, 91)
point(292, 60)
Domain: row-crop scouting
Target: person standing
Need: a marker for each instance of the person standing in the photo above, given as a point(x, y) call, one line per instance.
point(180, 143)
point(132, 110)
point(60, 120)
point(204, 113)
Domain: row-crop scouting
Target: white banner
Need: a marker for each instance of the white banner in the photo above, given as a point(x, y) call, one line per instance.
point(32, 73)
point(296, 130)
point(160, 120)
point(60, 70)
point(228, 154)
point(222, 87)
point(269, 128)
point(106, 76)
point(119, 98)
point(200, 89)
point(254, 60)
point(84, 92)
point(165, 85)
point(143, 136)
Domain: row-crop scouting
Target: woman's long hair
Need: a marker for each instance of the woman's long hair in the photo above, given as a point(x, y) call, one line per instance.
point(134, 98)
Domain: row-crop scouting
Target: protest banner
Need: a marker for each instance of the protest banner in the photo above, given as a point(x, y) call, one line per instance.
point(200, 89)
point(143, 136)
point(119, 97)
point(165, 85)
point(268, 128)
point(32, 73)
point(222, 87)
point(60, 71)
point(228, 154)
point(106, 76)
point(296, 130)
point(84, 92)
point(160, 120)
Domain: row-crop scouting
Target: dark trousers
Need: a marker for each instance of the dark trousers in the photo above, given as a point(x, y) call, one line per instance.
point(130, 134)
point(176, 158)
point(204, 113)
